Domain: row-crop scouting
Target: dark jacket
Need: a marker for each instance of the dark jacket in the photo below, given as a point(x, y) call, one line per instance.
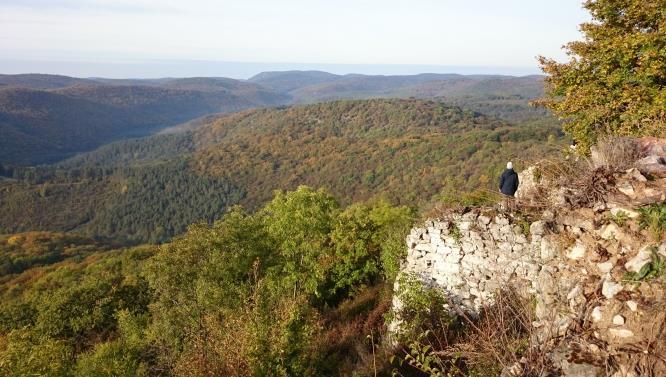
point(508, 182)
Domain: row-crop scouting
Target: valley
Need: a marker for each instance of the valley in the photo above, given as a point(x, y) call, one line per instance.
point(148, 190)
point(166, 222)
point(47, 118)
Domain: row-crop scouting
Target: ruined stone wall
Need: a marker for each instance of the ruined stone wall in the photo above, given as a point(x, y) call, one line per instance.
point(471, 256)
point(582, 266)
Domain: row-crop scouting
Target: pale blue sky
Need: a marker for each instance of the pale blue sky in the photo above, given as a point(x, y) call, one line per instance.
point(151, 38)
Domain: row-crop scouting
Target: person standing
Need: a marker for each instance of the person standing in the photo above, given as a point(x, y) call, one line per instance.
point(508, 184)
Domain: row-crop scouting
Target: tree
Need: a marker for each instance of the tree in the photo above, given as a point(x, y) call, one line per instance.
point(614, 83)
point(357, 249)
point(301, 221)
point(369, 243)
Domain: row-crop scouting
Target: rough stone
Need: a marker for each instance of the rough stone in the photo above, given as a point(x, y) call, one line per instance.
point(617, 210)
point(643, 257)
point(548, 250)
point(605, 267)
point(618, 320)
point(652, 165)
point(567, 368)
point(609, 289)
point(635, 175)
point(537, 228)
point(621, 333)
point(609, 231)
point(627, 189)
point(485, 220)
point(632, 305)
point(577, 252)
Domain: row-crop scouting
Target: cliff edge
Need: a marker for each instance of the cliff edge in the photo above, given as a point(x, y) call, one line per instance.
point(586, 243)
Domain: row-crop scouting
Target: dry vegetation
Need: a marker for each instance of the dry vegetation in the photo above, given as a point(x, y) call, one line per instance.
point(501, 336)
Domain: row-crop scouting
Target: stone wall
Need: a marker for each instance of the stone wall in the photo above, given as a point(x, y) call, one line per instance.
point(582, 266)
point(471, 256)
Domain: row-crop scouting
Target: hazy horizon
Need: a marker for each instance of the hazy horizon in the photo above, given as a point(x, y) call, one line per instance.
point(235, 70)
point(158, 38)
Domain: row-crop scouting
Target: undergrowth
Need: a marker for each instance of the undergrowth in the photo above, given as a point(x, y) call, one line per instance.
point(481, 345)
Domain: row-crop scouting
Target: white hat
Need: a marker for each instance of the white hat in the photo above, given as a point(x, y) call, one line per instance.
point(509, 165)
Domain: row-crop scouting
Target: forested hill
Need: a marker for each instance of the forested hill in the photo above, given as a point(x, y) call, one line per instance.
point(506, 97)
point(150, 189)
point(41, 126)
point(47, 118)
point(404, 149)
point(40, 81)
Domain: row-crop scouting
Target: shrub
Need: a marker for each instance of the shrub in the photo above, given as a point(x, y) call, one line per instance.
point(500, 337)
point(422, 308)
point(616, 153)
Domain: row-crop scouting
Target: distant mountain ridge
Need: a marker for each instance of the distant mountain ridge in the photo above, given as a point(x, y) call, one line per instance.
point(313, 86)
point(42, 81)
point(502, 96)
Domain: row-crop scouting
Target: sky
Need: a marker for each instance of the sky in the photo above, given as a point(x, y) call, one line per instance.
point(158, 38)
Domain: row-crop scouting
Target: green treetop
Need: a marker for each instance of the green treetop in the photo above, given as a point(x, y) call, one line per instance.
point(614, 82)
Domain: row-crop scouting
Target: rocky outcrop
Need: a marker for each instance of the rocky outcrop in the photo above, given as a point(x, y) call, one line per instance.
point(592, 270)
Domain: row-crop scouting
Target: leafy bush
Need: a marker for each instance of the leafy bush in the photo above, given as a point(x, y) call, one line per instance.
point(125, 356)
point(24, 353)
point(422, 308)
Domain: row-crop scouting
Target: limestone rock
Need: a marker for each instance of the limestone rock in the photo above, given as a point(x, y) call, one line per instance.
point(548, 249)
point(513, 370)
point(537, 228)
point(609, 289)
point(643, 257)
point(618, 320)
point(617, 210)
point(635, 175)
point(627, 189)
point(577, 252)
point(632, 305)
point(652, 165)
point(605, 267)
point(621, 333)
point(609, 231)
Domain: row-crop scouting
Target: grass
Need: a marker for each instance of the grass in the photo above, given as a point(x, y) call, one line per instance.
point(653, 218)
point(455, 232)
point(620, 218)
